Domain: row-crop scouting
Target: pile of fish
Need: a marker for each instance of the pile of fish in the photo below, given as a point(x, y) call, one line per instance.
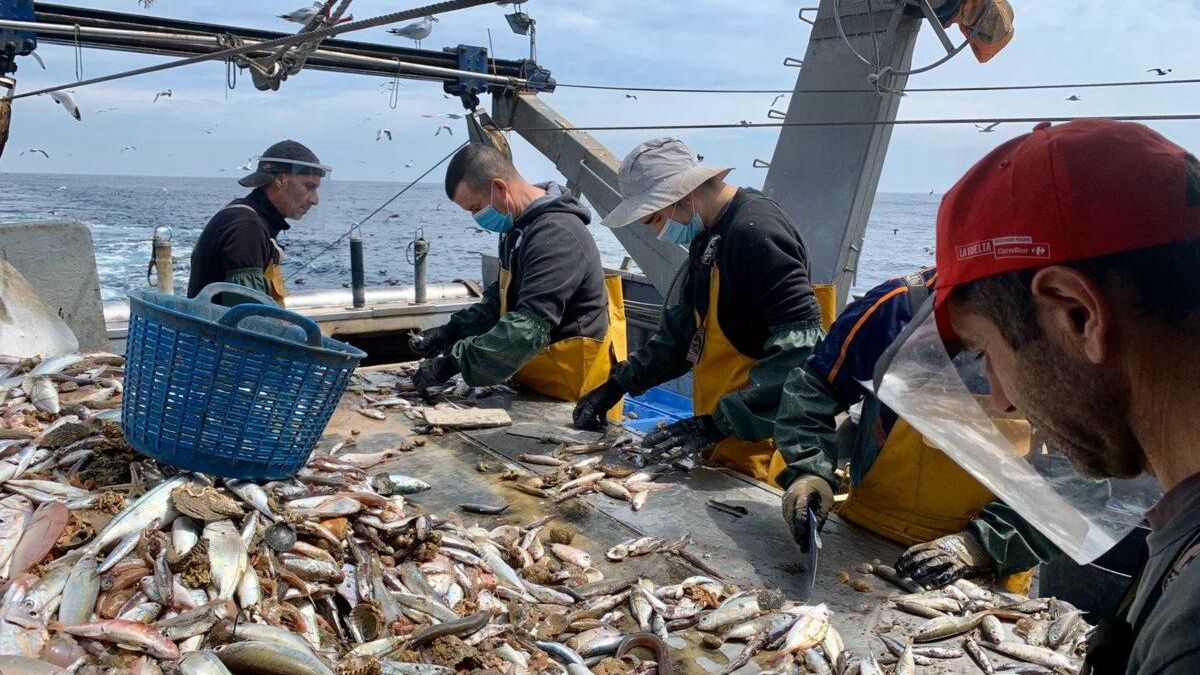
point(112, 563)
point(1047, 635)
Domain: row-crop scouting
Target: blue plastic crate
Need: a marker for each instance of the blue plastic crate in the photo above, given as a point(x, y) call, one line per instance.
point(242, 392)
point(654, 406)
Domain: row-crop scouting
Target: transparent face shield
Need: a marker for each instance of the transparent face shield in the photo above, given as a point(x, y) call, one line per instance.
point(295, 167)
point(945, 399)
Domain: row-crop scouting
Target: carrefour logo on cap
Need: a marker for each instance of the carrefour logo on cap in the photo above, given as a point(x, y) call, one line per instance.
point(1004, 247)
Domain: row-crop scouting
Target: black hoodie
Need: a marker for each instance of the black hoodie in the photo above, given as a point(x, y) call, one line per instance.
point(556, 270)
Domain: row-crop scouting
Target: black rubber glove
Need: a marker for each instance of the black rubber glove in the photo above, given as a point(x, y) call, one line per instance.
point(805, 492)
point(430, 342)
point(945, 560)
point(592, 410)
point(685, 438)
point(433, 372)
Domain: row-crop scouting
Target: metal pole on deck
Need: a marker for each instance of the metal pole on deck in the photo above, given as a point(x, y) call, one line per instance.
point(358, 284)
point(420, 251)
point(164, 268)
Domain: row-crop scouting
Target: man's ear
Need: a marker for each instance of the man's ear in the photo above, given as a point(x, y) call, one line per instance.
point(1073, 311)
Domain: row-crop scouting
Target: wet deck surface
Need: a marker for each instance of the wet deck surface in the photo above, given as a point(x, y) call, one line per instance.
point(753, 551)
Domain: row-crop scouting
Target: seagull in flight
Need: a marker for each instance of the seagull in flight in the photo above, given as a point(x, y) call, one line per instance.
point(128, 147)
point(1074, 97)
point(453, 116)
point(382, 133)
point(165, 93)
point(745, 123)
point(986, 129)
point(1157, 71)
point(408, 164)
point(104, 110)
point(44, 153)
point(439, 131)
point(631, 96)
point(416, 31)
point(246, 166)
point(303, 15)
point(776, 99)
point(67, 101)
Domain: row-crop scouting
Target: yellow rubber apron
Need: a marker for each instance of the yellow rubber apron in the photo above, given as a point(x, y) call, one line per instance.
point(721, 369)
point(914, 493)
point(570, 368)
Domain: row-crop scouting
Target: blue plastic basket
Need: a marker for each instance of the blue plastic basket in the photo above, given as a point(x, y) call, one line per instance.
point(654, 406)
point(242, 392)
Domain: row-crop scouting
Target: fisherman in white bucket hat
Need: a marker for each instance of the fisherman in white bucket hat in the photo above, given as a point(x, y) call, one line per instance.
point(744, 318)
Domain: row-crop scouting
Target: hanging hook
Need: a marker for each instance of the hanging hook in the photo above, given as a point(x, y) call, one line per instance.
point(394, 98)
point(78, 55)
point(790, 62)
point(774, 114)
point(810, 22)
point(759, 164)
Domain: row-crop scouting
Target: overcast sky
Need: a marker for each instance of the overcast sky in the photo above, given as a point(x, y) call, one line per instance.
point(626, 42)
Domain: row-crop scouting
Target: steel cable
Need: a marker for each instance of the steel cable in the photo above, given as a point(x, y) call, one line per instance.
point(374, 213)
point(329, 31)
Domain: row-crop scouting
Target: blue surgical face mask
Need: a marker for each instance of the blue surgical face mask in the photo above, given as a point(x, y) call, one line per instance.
point(676, 232)
point(491, 219)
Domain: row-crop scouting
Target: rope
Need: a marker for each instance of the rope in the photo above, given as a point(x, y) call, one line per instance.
point(384, 19)
point(908, 90)
point(859, 123)
point(374, 213)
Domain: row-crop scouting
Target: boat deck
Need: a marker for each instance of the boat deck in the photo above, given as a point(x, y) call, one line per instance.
point(753, 551)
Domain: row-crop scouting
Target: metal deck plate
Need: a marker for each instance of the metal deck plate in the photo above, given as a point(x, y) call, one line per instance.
point(752, 551)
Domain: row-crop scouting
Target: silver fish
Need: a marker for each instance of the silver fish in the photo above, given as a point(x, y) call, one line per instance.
point(734, 609)
point(119, 552)
point(266, 658)
point(398, 484)
point(44, 395)
point(979, 656)
point(202, 663)
point(154, 505)
point(227, 559)
point(1062, 627)
point(748, 629)
point(808, 631)
point(992, 629)
point(816, 663)
point(571, 555)
point(15, 512)
point(258, 632)
point(1040, 656)
point(943, 627)
point(79, 595)
point(249, 593)
point(254, 495)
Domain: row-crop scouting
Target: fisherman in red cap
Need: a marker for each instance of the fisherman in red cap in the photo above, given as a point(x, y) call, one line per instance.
point(1068, 264)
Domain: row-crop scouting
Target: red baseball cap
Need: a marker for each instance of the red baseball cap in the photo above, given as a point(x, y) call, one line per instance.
point(1062, 193)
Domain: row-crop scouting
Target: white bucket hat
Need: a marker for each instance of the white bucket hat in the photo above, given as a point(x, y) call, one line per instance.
point(655, 175)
